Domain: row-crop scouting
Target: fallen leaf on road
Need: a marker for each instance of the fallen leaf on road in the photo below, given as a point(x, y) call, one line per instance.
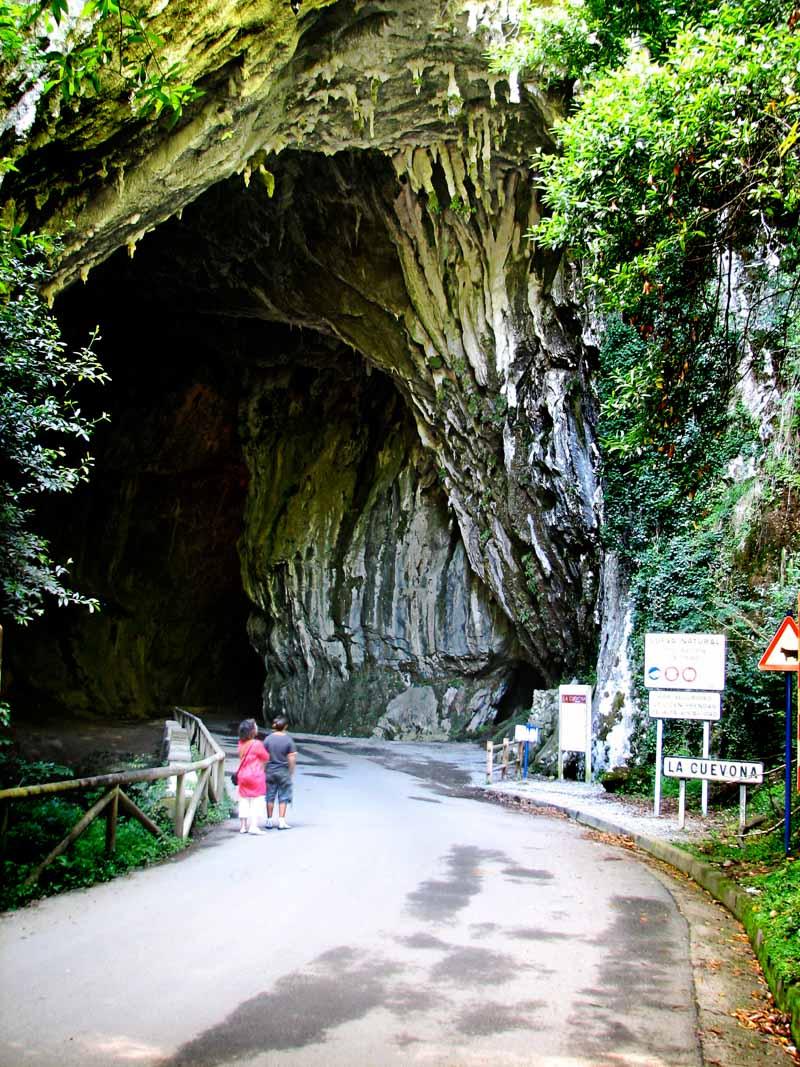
point(774, 1024)
point(620, 840)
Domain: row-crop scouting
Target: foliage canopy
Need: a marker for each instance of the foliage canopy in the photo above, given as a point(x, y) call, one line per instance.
point(676, 186)
point(53, 44)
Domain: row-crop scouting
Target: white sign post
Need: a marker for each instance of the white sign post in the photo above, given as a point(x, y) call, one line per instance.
point(685, 667)
point(526, 735)
point(709, 770)
point(575, 724)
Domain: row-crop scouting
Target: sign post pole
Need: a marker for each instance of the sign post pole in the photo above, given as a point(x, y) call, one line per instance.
point(706, 752)
point(682, 804)
point(659, 750)
point(782, 655)
point(525, 736)
point(787, 789)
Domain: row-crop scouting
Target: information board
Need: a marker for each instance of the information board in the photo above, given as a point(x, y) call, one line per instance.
point(527, 733)
point(684, 661)
point(574, 717)
point(675, 704)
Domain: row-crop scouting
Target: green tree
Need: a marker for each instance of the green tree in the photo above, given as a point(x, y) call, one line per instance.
point(677, 160)
point(109, 46)
point(42, 428)
point(676, 186)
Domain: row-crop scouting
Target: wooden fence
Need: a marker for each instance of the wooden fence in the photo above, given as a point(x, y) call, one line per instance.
point(502, 756)
point(210, 770)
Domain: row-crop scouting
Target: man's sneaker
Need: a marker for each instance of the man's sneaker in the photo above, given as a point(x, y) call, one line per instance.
point(256, 830)
point(283, 824)
point(269, 824)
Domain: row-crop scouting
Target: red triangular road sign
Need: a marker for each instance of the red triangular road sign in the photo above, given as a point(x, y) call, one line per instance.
point(783, 648)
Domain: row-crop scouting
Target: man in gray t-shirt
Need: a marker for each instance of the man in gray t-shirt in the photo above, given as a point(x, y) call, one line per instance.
point(282, 762)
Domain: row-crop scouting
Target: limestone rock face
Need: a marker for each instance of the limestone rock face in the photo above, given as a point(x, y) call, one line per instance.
point(410, 715)
point(354, 560)
point(421, 504)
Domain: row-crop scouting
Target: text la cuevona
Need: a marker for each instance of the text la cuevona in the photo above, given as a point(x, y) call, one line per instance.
point(730, 771)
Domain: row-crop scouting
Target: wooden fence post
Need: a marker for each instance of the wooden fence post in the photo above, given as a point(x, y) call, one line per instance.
point(506, 746)
point(73, 835)
point(194, 804)
point(111, 822)
point(202, 807)
point(180, 804)
point(489, 759)
point(213, 784)
point(135, 812)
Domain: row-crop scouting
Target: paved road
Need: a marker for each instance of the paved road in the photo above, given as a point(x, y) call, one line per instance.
point(395, 923)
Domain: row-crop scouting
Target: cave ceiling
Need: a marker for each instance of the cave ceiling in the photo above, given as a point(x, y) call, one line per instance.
point(385, 77)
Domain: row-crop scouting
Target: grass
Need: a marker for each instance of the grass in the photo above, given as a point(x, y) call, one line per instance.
point(757, 863)
point(37, 825)
point(778, 910)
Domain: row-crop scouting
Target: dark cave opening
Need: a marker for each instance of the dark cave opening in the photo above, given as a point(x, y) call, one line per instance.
point(154, 534)
point(519, 695)
point(263, 527)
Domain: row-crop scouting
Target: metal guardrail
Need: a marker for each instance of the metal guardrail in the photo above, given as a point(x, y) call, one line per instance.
point(210, 770)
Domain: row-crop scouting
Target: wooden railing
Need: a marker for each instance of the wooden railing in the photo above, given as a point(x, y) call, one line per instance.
point(501, 756)
point(210, 770)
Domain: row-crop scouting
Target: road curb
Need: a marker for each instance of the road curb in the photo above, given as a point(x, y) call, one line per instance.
point(739, 903)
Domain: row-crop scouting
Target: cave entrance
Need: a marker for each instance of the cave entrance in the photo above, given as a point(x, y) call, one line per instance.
point(518, 698)
point(264, 528)
point(153, 535)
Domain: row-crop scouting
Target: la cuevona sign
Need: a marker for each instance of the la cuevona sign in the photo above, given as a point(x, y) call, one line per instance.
point(713, 770)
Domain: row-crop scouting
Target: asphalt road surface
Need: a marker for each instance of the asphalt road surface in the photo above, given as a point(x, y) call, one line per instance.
point(398, 921)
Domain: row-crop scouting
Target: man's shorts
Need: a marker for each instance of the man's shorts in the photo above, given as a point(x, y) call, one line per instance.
point(279, 785)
